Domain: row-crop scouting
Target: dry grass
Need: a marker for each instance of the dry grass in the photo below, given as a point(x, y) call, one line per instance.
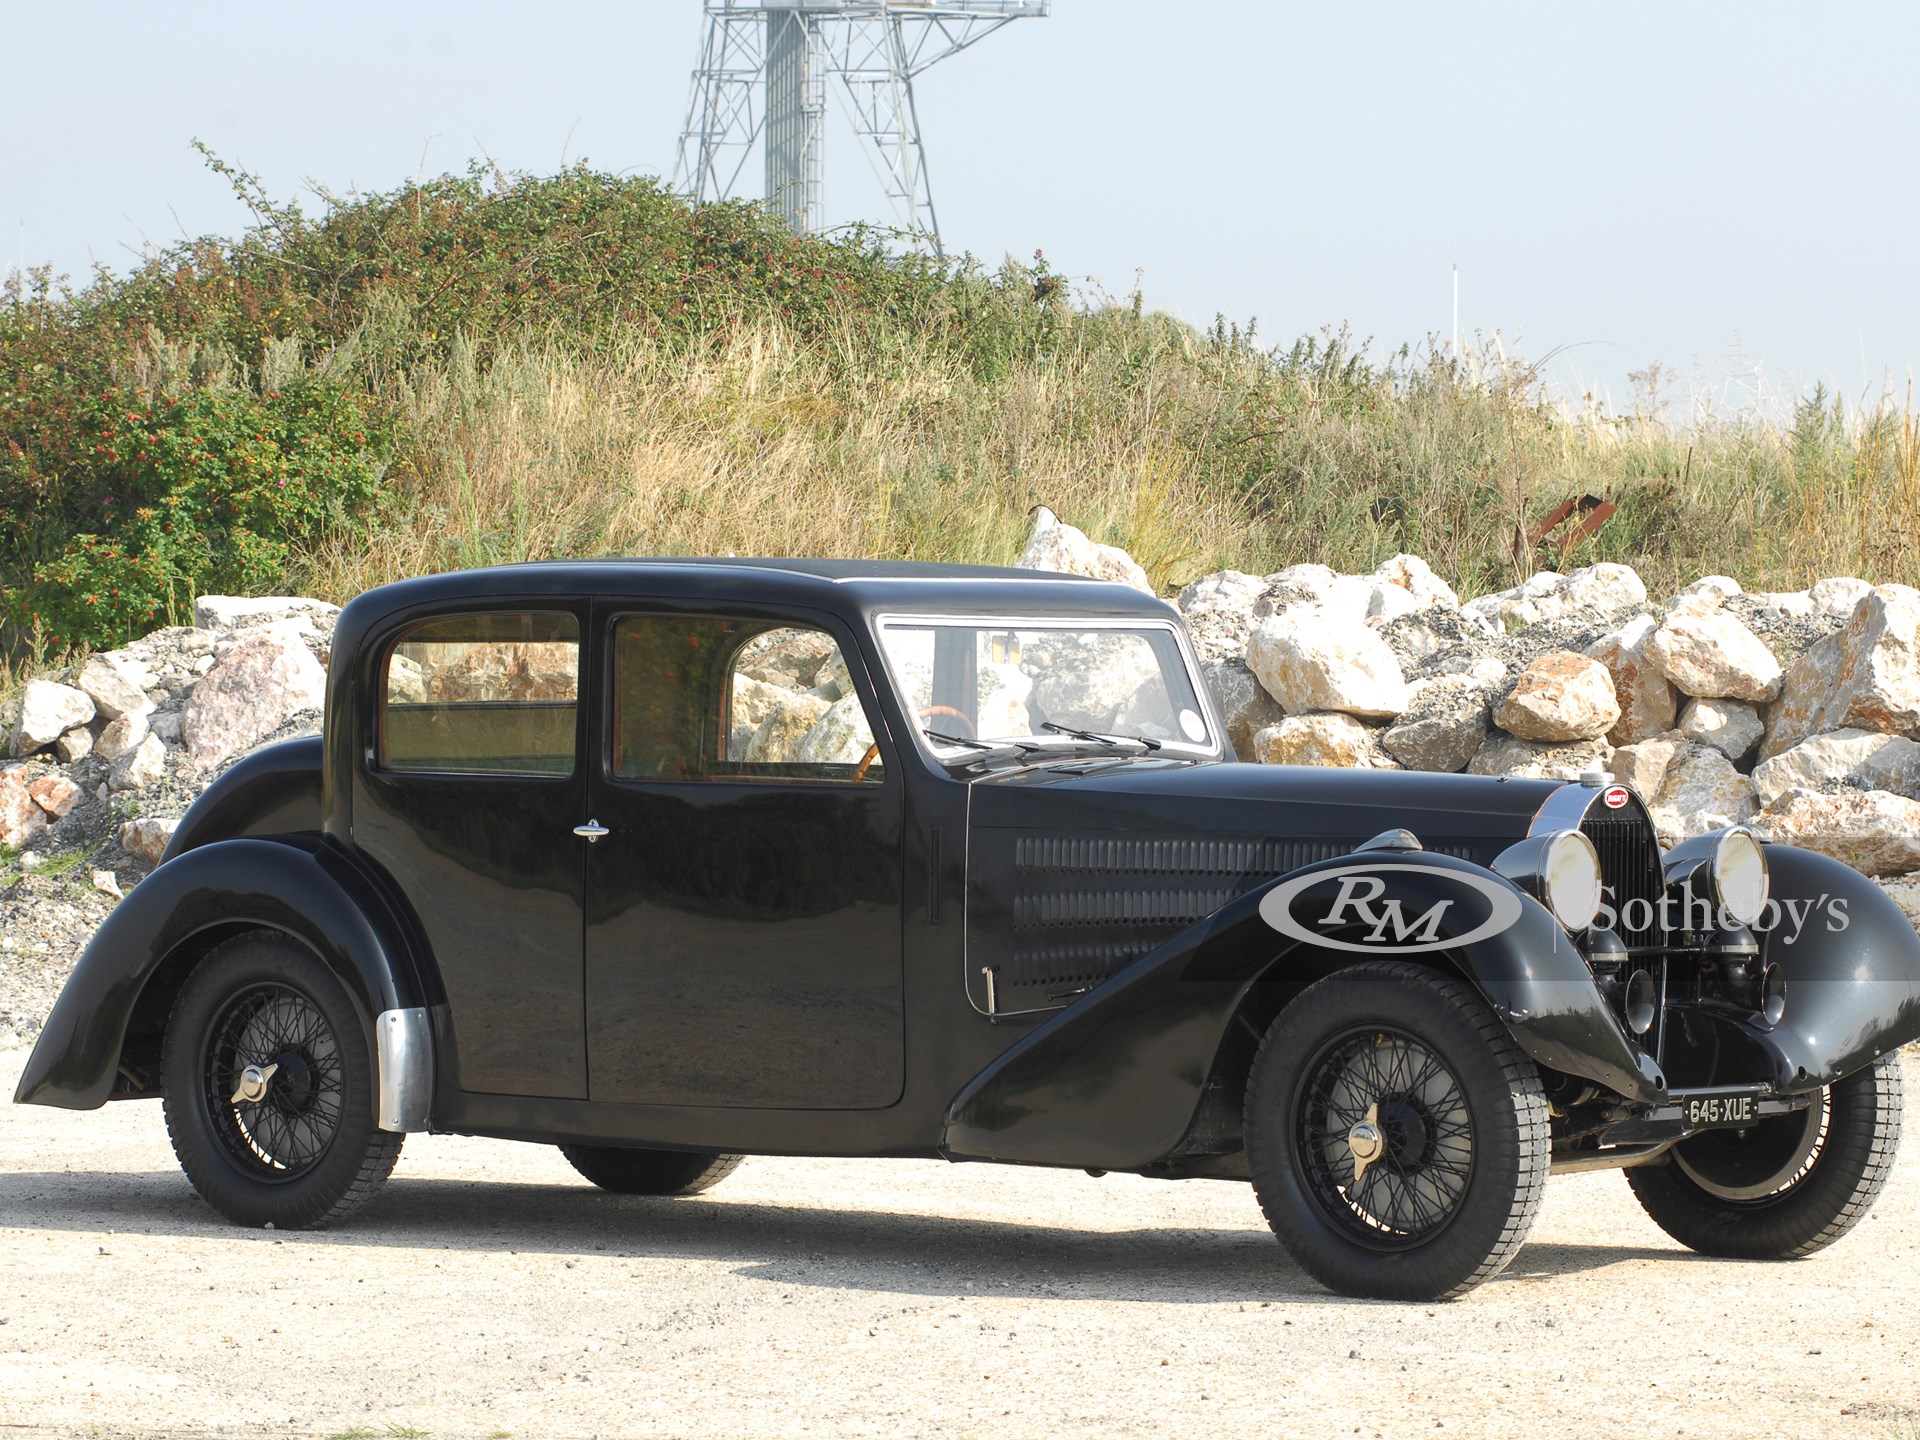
point(752, 445)
point(1194, 452)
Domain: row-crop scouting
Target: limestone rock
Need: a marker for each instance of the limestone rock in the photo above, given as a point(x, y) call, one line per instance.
point(140, 766)
point(117, 685)
point(788, 719)
point(833, 681)
point(1314, 660)
point(1487, 671)
point(1865, 676)
point(1425, 633)
point(841, 736)
point(1444, 726)
point(1733, 727)
point(76, 744)
point(1218, 609)
point(1701, 791)
point(1858, 759)
point(1413, 575)
point(301, 629)
point(21, 817)
point(236, 612)
point(107, 883)
point(1505, 755)
point(1839, 595)
point(1715, 657)
point(791, 656)
point(1084, 679)
point(1723, 587)
point(406, 680)
point(1357, 598)
point(1642, 767)
point(1243, 702)
point(1056, 545)
point(121, 735)
point(48, 711)
point(147, 837)
point(1797, 603)
point(55, 794)
point(1594, 592)
point(1326, 739)
point(482, 671)
point(752, 702)
point(1874, 831)
point(1520, 606)
point(255, 688)
point(1560, 696)
point(1646, 697)
point(1001, 692)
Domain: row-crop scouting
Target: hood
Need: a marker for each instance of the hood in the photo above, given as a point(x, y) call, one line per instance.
point(1075, 870)
point(1472, 816)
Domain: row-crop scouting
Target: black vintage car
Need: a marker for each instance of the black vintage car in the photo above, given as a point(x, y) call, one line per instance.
point(671, 862)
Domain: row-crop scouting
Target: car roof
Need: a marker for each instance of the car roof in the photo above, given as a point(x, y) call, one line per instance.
point(846, 586)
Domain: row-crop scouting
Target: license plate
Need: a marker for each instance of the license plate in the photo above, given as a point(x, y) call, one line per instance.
point(1719, 1110)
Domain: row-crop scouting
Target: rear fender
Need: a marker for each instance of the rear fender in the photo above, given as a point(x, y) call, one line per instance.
point(274, 791)
point(1114, 1081)
point(129, 972)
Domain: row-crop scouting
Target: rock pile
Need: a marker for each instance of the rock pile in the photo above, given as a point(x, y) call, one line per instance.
point(105, 759)
point(1797, 712)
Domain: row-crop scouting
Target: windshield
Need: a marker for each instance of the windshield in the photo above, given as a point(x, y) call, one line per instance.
point(1045, 682)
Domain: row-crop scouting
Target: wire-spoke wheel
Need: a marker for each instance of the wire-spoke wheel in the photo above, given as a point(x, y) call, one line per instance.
point(268, 1085)
point(1396, 1135)
point(1385, 1136)
point(272, 1086)
point(1785, 1186)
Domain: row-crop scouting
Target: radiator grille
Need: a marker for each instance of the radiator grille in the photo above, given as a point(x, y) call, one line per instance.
point(1630, 864)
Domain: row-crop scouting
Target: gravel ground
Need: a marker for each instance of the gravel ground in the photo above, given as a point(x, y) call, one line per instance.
point(490, 1293)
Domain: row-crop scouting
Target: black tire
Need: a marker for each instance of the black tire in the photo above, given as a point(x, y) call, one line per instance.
point(1788, 1186)
point(307, 1151)
point(650, 1172)
point(1455, 1106)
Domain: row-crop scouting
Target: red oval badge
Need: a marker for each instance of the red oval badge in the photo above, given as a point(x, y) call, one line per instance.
point(1615, 797)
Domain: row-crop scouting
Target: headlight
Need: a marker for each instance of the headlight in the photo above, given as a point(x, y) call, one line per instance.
point(1573, 882)
point(1740, 881)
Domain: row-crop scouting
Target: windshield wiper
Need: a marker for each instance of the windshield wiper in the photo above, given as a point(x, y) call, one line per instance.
point(956, 740)
point(1095, 739)
point(998, 749)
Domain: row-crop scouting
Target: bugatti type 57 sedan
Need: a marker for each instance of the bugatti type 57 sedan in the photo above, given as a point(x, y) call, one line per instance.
point(673, 862)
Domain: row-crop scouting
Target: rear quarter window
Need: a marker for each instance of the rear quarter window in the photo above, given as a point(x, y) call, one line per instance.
point(489, 694)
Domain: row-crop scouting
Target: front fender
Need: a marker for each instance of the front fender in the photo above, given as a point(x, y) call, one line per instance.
point(1114, 1081)
point(307, 889)
point(1851, 961)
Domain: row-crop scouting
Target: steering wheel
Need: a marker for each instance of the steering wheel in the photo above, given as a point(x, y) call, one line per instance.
point(926, 712)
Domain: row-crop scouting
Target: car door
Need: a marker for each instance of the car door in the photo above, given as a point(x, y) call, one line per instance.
point(470, 792)
point(743, 943)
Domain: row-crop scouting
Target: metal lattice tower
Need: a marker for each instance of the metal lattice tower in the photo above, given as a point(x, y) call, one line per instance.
point(763, 81)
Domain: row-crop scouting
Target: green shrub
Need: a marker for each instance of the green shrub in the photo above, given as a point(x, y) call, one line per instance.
point(205, 491)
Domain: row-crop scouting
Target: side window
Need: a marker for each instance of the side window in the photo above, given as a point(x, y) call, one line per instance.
point(483, 695)
point(708, 698)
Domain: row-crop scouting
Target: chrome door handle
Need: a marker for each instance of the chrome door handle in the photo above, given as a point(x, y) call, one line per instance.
point(591, 831)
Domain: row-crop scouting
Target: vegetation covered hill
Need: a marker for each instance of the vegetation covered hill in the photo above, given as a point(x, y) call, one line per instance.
point(485, 368)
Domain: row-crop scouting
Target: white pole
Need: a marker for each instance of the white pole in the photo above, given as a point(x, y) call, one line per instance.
point(1456, 312)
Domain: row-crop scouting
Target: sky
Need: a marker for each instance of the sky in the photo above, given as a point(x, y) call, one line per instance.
point(1725, 188)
